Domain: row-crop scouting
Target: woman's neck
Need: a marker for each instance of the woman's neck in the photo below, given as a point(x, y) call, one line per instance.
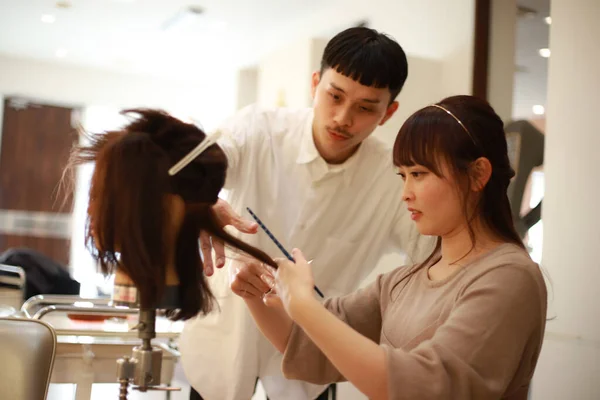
point(458, 247)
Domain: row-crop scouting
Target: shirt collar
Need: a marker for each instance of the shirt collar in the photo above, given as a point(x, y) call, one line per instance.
point(308, 151)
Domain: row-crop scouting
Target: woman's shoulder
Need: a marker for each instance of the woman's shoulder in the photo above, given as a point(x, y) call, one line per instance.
point(506, 254)
point(507, 265)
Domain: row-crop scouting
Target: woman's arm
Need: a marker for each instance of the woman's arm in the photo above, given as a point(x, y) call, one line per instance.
point(274, 323)
point(334, 341)
point(251, 280)
point(357, 358)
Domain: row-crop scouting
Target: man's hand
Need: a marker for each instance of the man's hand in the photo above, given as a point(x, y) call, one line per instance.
point(225, 216)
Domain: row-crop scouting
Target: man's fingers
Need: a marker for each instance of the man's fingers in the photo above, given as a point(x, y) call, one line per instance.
point(206, 250)
point(227, 216)
point(244, 225)
point(219, 248)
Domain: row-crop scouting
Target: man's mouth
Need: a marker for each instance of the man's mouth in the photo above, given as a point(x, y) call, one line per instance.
point(337, 135)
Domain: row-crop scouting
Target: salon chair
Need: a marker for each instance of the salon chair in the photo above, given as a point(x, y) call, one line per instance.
point(27, 351)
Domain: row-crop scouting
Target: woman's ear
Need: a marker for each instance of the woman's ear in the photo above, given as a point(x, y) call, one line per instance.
point(481, 171)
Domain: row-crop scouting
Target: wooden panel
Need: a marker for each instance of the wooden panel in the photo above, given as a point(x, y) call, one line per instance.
point(36, 140)
point(482, 45)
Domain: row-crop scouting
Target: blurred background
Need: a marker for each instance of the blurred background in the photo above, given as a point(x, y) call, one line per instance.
point(66, 64)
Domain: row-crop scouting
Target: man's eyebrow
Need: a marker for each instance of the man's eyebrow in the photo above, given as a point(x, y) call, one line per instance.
point(372, 101)
point(333, 85)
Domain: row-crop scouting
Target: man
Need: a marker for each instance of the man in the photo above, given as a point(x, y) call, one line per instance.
point(320, 182)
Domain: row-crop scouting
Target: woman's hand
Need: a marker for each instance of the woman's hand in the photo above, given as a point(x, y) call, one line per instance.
point(251, 278)
point(294, 284)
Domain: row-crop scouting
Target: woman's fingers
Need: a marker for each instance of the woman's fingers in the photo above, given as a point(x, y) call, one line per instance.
point(250, 276)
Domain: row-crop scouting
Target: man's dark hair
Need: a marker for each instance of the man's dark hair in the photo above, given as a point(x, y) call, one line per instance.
point(368, 57)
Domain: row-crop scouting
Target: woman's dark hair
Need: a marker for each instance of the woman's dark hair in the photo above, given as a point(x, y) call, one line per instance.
point(369, 57)
point(434, 135)
point(129, 217)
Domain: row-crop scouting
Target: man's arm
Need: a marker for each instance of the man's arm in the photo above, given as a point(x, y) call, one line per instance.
point(236, 141)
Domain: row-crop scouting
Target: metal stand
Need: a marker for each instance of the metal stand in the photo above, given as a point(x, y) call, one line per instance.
point(143, 369)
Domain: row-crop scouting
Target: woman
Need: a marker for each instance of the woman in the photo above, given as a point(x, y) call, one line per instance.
point(466, 323)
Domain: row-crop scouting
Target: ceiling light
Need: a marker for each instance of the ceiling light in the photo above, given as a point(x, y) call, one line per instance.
point(544, 53)
point(548, 20)
point(539, 109)
point(61, 53)
point(48, 19)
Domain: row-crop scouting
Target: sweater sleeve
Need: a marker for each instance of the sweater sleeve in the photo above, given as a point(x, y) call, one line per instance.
point(361, 310)
point(491, 338)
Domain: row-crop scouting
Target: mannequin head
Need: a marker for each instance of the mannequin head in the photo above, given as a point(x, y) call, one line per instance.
point(144, 223)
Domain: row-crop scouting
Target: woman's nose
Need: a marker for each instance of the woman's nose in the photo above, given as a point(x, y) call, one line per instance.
point(407, 193)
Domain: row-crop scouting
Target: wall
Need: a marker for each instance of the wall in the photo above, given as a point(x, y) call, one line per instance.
point(569, 367)
point(457, 59)
point(501, 63)
point(284, 76)
point(423, 87)
point(247, 87)
point(70, 85)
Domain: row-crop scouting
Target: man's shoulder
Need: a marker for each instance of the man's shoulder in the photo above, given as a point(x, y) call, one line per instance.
point(377, 153)
point(272, 119)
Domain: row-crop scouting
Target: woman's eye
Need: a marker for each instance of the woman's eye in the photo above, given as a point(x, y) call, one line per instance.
point(418, 174)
